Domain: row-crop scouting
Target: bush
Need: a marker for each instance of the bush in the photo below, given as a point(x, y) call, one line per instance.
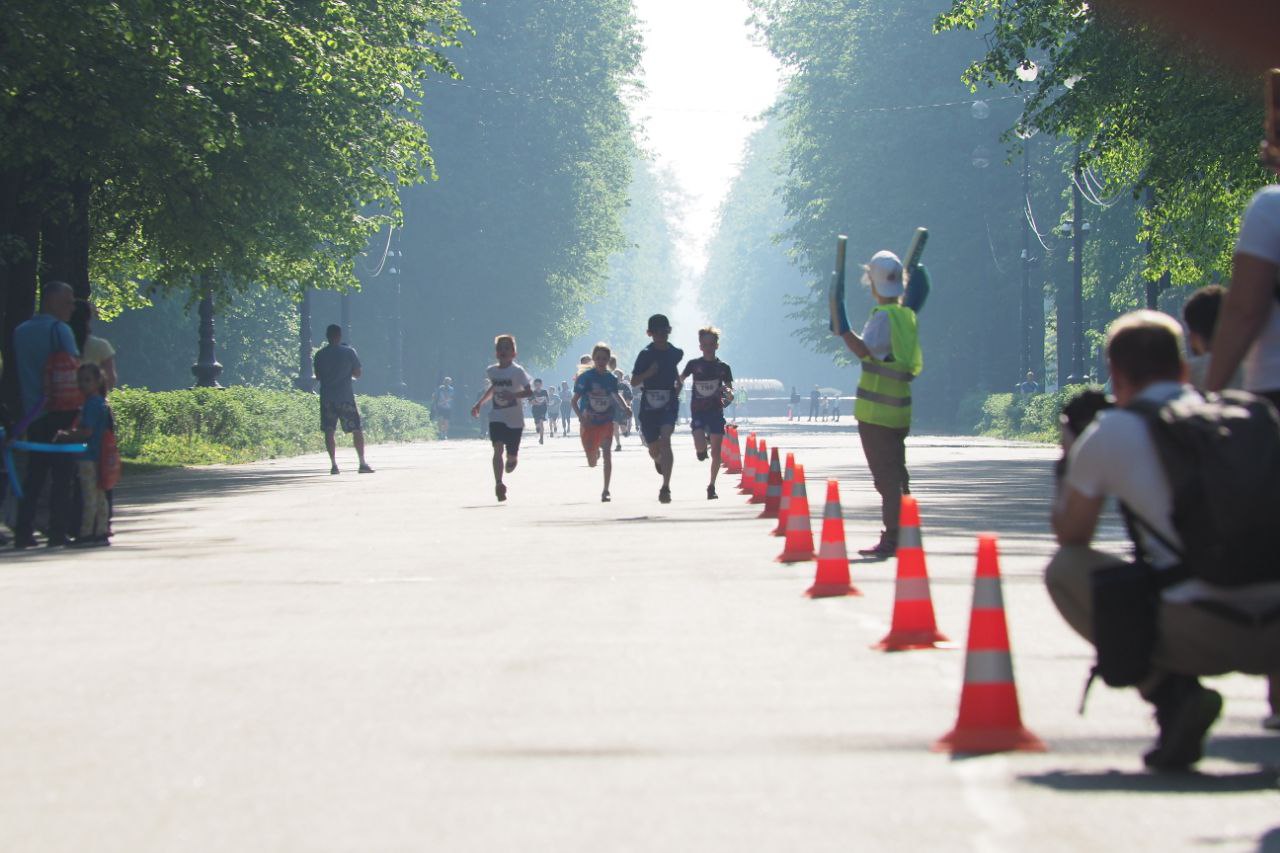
point(206, 425)
point(1026, 417)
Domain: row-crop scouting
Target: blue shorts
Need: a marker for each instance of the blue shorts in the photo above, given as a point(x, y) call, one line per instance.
point(712, 422)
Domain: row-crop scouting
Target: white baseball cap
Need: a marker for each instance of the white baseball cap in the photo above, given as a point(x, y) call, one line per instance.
point(884, 273)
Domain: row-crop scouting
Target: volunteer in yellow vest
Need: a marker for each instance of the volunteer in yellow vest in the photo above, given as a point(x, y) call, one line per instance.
point(889, 348)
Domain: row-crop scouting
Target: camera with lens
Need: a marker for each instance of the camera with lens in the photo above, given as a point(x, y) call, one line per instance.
point(1076, 415)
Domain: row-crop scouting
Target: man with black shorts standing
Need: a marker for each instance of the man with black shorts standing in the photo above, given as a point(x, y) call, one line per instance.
point(336, 366)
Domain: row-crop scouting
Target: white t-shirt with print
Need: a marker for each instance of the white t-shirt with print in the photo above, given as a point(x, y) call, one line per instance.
point(507, 382)
point(1260, 238)
point(1116, 457)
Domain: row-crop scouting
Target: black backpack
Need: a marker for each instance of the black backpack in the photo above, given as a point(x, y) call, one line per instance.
point(1222, 457)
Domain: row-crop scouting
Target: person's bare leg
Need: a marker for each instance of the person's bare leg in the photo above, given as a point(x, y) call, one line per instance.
point(357, 439)
point(700, 443)
point(607, 452)
point(497, 463)
point(666, 460)
point(331, 445)
point(717, 444)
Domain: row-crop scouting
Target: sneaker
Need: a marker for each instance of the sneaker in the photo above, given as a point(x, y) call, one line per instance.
point(511, 464)
point(540, 441)
point(1184, 720)
point(1272, 722)
point(501, 491)
point(83, 542)
point(702, 457)
point(604, 496)
point(664, 495)
point(333, 469)
point(24, 542)
point(882, 550)
point(618, 446)
point(711, 493)
point(365, 469)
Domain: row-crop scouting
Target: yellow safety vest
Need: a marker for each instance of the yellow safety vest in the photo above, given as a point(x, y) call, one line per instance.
point(884, 389)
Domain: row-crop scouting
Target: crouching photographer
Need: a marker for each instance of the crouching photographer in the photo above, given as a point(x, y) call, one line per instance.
point(1197, 480)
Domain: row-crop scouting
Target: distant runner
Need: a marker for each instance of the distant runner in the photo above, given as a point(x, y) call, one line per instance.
point(657, 368)
point(538, 402)
point(509, 384)
point(596, 401)
point(712, 391)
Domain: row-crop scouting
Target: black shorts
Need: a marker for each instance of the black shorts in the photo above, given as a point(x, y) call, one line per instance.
point(500, 433)
point(442, 413)
point(712, 422)
point(333, 412)
point(539, 413)
point(653, 420)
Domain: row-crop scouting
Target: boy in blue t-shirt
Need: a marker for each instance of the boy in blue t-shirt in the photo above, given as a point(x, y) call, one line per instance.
point(93, 423)
point(595, 401)
point(657, 368)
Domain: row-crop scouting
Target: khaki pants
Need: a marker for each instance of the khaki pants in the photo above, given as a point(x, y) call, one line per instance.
point(1192, 641)
point(93, 500)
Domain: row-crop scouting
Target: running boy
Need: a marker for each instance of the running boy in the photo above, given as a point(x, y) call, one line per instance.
point(553, 409)
point(539, 401)
point(712, 391)
point(509, 384)
point(622, 418)
point(657, 368)
point(566, 409)
point(596, 417)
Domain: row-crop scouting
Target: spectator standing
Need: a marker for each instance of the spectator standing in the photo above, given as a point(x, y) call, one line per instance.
point(815, 402)
point(336, 366)
point(96, 350)
point(1029, 385)
point(94, 422)
point(36, 344)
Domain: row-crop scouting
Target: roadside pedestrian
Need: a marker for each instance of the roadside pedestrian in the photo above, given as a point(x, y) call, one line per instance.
point(509, 385)
point(712, 391)
point(553, 409)
point(336, 366)
point(598, 414)
point(815, 402)
point(890, 354)
point(538, 404)
point(96, 350)
point(1028, 385)
point(1204, 628)
point(657, 369)
point(91, 427)
point(442, 406)
point(47, 359)
point(793, 410)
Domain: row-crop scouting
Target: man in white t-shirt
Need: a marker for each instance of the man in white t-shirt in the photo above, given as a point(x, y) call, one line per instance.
point(509, 386)
point(1204, 629)
point(1249, 325)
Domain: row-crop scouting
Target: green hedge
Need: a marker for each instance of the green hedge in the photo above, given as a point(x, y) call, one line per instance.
point(1028, 417)
point(206, 425)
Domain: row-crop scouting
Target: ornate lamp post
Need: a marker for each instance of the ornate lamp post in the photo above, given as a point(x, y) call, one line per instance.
point(398, 386)
point(206, 369)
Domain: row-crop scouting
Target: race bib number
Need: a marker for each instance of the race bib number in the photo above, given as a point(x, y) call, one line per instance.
point(657, 399)
point(706, 387)
point(503, 399)
point(599, 404)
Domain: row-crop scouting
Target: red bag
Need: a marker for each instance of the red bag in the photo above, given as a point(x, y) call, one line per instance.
point(61, 389)
point(108, 460)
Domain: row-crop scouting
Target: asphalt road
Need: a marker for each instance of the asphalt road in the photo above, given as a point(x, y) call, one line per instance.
point(273, 659)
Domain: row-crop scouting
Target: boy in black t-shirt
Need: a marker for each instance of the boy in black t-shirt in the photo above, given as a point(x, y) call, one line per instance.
point(712, 391)
point(657, 368)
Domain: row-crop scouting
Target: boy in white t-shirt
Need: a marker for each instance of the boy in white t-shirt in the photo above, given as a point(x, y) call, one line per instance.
point(509, 385)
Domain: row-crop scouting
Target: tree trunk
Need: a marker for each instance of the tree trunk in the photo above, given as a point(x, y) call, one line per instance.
point(65, 250)
point(19, 219)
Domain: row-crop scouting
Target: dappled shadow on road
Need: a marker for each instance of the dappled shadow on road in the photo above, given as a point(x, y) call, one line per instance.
point(1142, 782)
point(187, 484)
point(1005, 495)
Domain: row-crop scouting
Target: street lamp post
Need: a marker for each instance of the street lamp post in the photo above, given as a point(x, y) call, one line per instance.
point(206, 369)
point(346, 317)
point(305, 381)
point(398, 386)
point(1078, 227)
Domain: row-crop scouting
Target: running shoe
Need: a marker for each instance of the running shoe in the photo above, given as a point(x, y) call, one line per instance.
point(365, 469)
point(702, 457)
point(664, 495)
point(501, 491)
point(711, 493)
point(1184, 722)
point(334, 469)
point(604, 496)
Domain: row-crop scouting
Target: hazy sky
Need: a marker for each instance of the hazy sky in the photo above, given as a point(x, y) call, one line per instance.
point(705, 81)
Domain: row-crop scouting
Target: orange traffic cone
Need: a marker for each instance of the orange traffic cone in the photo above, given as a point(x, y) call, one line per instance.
point(832, 577)
point(748, 465)
point(784, 504)
point(761, 483)
point(731, 456)
point(913, 625)
point(773, 488)
point(799, 544)
point(989, 720)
